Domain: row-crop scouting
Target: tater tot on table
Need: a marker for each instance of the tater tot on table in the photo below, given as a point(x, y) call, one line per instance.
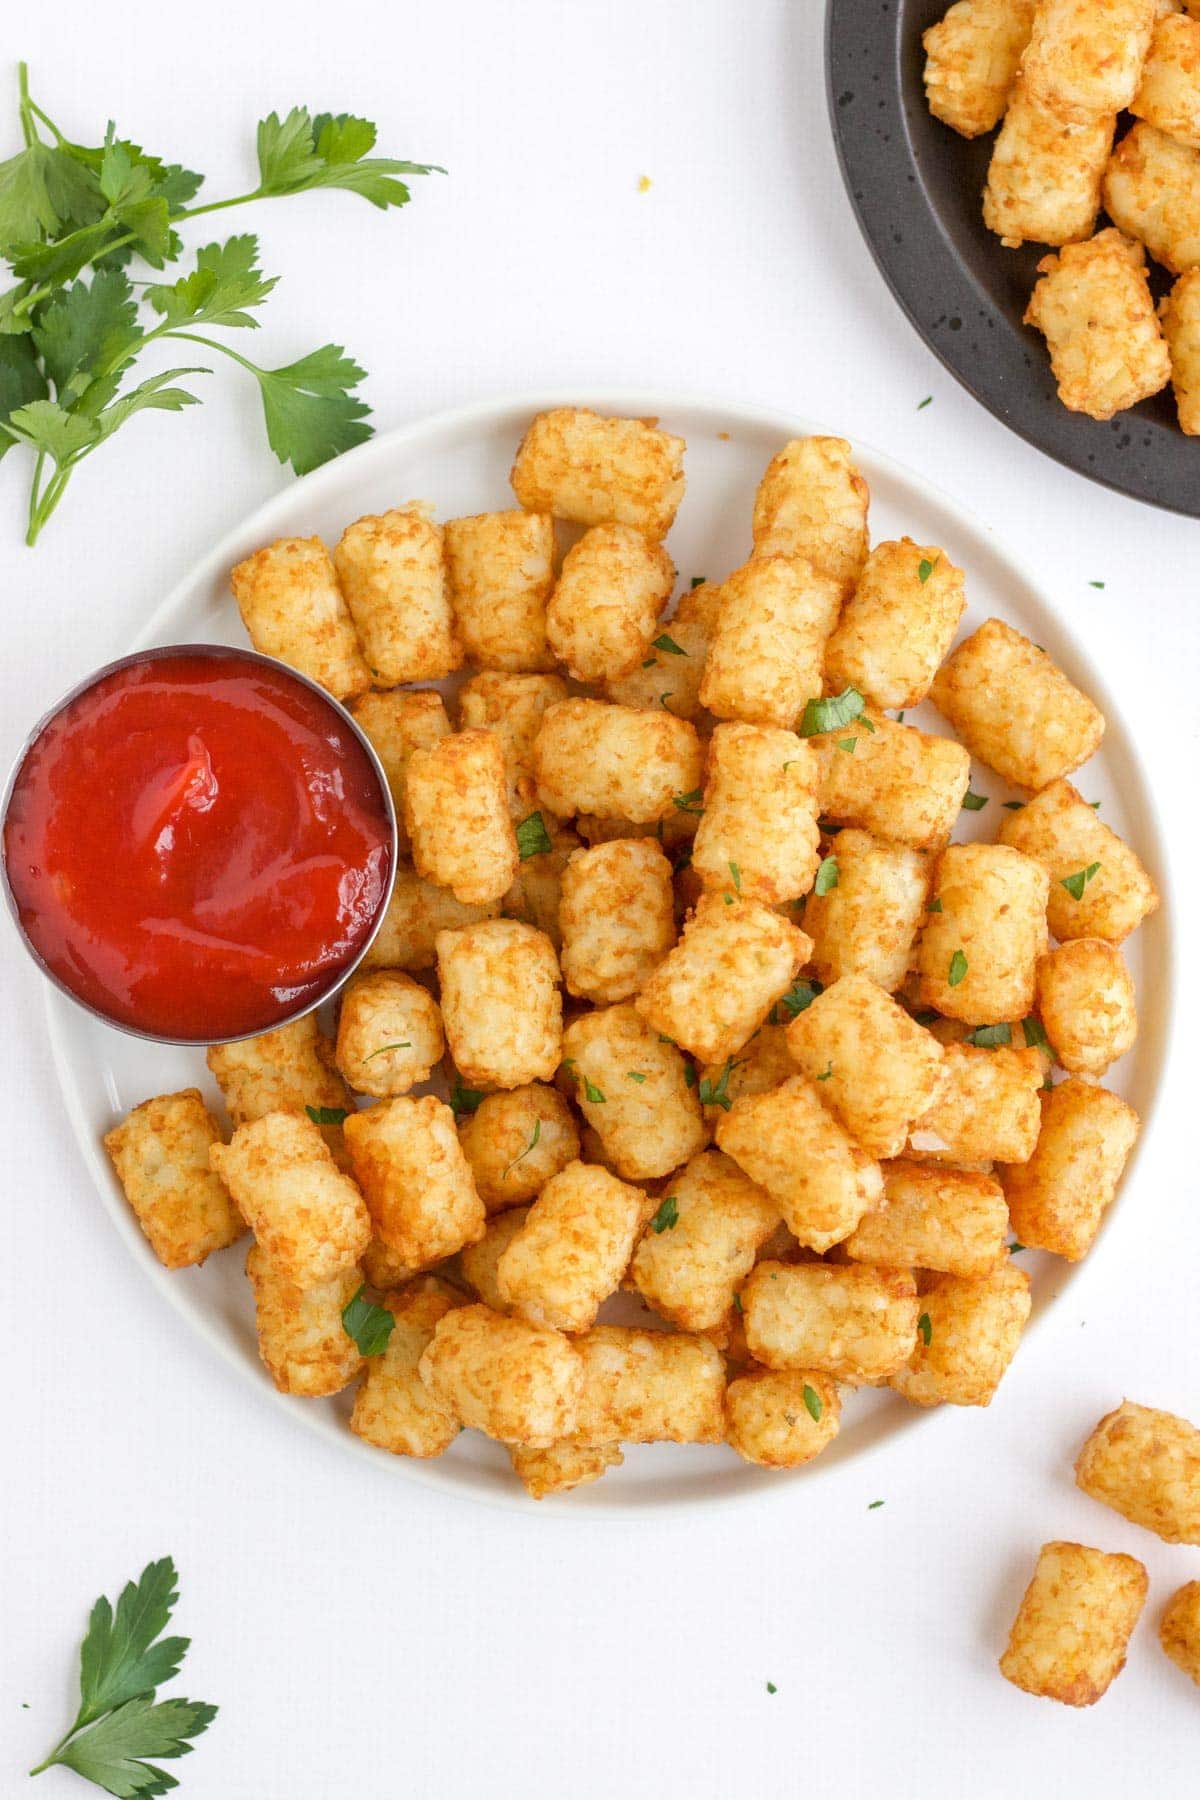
point(1145, 1464)
point(1074, 1624)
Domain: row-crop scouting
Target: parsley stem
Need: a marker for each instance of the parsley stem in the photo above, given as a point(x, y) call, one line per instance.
point(40, 515)
point(194, 337)
point(194, 212)
point(28, 128)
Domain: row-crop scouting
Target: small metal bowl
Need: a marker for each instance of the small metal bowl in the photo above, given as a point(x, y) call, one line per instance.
point(217, 652)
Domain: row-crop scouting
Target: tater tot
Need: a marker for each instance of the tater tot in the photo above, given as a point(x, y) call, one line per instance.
point(160, 1153)
point(689, 1268)
point(646, 1387)
point(416, 1181)
point(632, 1086)
point(1069, 1637)
point(1168, 95)
point(535, 897)
point(512, 1380)
point(987, 1109)
point(1014, 709)
point(781, 1418)
point(417, 911)
point(764, 662)
point(758, 836)
point(515, 1141)
point(867, 922)
point(1152, 193)
point(716, 987)
point(398, 723)
point(617, 918)
point(301, 1338)
point(942, 1219)
point(983, 933)
point(968, 1332)
point(818, 1178)
point(761, 1064)
point(1145, 1464)
point(1093, 306)
point(560, 1468)
point(456, 812)
point(1179, 315)
point(853, 1322)
point(1057, 1198)
point(897, 625)
point(501, 1007)
point(972, 56)
point(897, 783)
point(812, 502)
point(579, 465)
point(512, 706)
point(572, 1249)
point(292, 607)
point(1088, 58)
point(619, 761)
point(1098, 887)
point(604, 609)
point(393, 1408)
point(1179, 1629)
point(479, 1262)
point(285, 1070)
point(392, 570)
point(383, 1268)
point(500, 567)
point(1086, 1001)
point(670, 673)
point(877, 1069)
point(389, 1033)
point(1046, 172)
point(308, 1217)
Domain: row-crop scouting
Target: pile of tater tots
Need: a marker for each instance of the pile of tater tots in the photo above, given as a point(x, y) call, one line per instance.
point(1055, 75)
point(702, 1002)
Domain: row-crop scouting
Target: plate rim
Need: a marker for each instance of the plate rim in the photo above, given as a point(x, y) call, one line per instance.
point(633, 402)
point(950, 273)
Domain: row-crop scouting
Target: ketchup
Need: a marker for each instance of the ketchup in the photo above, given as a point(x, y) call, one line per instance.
point(197, 844)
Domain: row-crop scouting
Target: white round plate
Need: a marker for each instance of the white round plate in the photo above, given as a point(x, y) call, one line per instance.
point(461, 460)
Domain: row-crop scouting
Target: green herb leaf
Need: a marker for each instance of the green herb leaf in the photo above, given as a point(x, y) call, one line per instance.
point(1014, 806)
point(1014, 1249)
point(737, 1304)
point(406, 1045)
point(370, 1326)
point(831, 713)
point(935, 905)
point(1035, 1036)
point(1098, 584)
point(827, 1072)
point(689, 1075)
point(651, 662)
point(120, 1659)
point(958, 968)
point(532, 837)
point(635, 1075)
point(874, 1504)
point(737, 877)
point(990, 1037)
point(224, 282)
point(21, 381)
point(309, 410)
point(667, 1216)
point(927, 401)
point(847, 744)
point(899, 721)
point(669, 645)
point(592, 1094)
point(925, 568)
point(535, 1138)
point(690, 803)
point(798, 999)
point(716, 1093)
point(974, 802)
point(465, 1100)
point(698, 581)
point(302, 151)
point(1076, 883)
point(113, 1753)
point(83, 326)
point(827, 876)
point(328, 1115)
point(812, 1401)
point(926, 1016)
point(771, 1688)
point(925, 1327)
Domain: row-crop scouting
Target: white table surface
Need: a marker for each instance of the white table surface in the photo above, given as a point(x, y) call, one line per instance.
point(360, 1633)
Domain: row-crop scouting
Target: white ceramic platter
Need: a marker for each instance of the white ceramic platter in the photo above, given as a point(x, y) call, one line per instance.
point(460, 461)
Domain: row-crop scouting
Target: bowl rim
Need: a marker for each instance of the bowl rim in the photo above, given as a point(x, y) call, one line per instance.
point(216, 652)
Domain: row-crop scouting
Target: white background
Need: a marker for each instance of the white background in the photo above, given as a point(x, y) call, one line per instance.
point(362, 1634)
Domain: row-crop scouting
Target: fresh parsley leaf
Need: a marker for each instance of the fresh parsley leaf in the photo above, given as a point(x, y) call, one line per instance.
point(1035, 1036)
point(926, 1016)
point(635, 1075)
point(1014, 806)
point(925, 568)
point(669, 645)
point(827, 1071)
point(532, 837)
point(697, 581)
point(310, 413)
point(1015, 1248)
point(771, 1688)
point(690, 803)
point(667, 1216)
point(900, 721)
point(827, 876)
point(225, 281)
point(113, 1753)
point(716, 1093)
point(927, 401)
point(1076, 883)
point(383, 1048)
point(42, 190)
point(153, 395)
point(958, 968)
point(812, 1401)
point(592, 1094)
point(49, 428)
point(1098, 584)
point(847, 744)
point(21, 381)
point(990, 1037)
point(974, 802)
point(831, 713)
point(738, 1307)
point(798, 999)
point(464, 1099)
point(935, 905)
point(736, 873)
point(874, 1504)
point(301, 152)
point(81, 327)
point(925, 1327)
point(370, 1326)
point(535, 1138)
point(328, 1115)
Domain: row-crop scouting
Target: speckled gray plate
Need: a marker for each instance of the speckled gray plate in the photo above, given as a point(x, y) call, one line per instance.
point(917, 189)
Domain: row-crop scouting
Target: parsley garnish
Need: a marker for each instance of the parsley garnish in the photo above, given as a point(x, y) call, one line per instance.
point(636, 1074)
point(1095, 584)
point(900, 721)
point(812, 1401)
point(1014, 1248)
point(669, 645)
point(990, 1037)
point(737, 877)
point(716, 1093)
point(926, 1017)
point(935, 905)
point(532, 837)
point(119, 1724)
point(874, 1504)
point(927, 401)
point(690, 803)
point(370, 1326)
point(925, 1327)
point(1035, 1037)
point(771, 1688)
point(737, 1304)
point(689, 1075)
point(827, 1073)
point(406, 1045)
point(1076, 883)
point(667, 1216)
point(1014, 806)
point(465, 1099)
point(592, 1094)
point(925, 568)
point(67, 209)
point(958, 968)
point(698, 580)
point(534, 1140)
point(832, 712)
point(974, 802)
point(827, 876)
point(798, 999)
point(847, 744)
point(328, 1115)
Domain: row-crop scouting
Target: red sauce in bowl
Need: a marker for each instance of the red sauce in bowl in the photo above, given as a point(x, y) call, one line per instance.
point(198, 845)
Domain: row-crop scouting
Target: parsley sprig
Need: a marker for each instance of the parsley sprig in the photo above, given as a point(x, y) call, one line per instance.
point(119, 1725)
point(67, 342)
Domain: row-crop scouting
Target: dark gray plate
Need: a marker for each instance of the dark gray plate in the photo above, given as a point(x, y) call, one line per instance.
point(917, 188)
